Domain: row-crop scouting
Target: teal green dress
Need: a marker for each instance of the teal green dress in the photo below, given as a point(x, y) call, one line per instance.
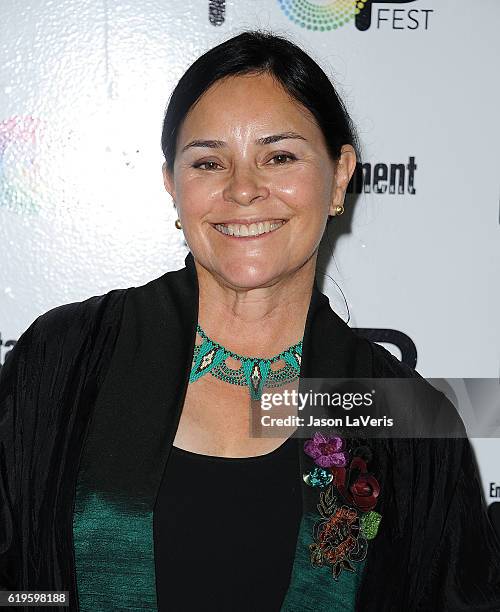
point(321, 577)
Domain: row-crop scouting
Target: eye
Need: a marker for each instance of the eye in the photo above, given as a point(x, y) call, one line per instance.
point(282, 156)
point(200, 164)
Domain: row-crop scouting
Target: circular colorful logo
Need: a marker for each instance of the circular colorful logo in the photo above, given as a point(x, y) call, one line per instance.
point(19, 168)
point(321, 15)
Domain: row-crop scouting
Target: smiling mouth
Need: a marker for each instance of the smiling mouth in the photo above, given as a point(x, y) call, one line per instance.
point(250, 230)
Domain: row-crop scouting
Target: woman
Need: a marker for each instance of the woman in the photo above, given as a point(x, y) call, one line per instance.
point(128, 475)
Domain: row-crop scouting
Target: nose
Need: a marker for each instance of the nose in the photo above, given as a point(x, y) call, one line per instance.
point(244, 187)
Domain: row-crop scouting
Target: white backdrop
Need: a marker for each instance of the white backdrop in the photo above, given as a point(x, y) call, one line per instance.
point(83, 87)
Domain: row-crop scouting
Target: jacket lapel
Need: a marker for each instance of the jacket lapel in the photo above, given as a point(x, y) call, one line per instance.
point(134, 424)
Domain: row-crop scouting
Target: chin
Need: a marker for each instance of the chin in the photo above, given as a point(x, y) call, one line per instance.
point(248, 276)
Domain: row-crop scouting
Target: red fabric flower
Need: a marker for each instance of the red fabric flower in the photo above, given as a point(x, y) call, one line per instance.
point(360, 490)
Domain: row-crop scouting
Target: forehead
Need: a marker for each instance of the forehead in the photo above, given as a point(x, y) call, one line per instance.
point(246, 102)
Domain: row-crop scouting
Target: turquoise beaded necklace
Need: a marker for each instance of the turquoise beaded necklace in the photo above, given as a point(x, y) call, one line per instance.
point(254, 371)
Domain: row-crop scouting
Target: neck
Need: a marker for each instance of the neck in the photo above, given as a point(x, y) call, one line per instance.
point(262, 320)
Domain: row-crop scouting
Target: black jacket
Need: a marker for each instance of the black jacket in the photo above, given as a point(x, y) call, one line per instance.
point(94, 390)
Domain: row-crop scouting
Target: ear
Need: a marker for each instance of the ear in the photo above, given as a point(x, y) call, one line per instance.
point(344, 169)
point(168, 181)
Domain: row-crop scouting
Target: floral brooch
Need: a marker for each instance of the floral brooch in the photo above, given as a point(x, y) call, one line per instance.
point(347, 498)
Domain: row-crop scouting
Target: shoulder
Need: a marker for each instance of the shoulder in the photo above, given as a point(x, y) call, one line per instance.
point(62, 319)
point(440, 417)
point(64, 328)
point(385, 364)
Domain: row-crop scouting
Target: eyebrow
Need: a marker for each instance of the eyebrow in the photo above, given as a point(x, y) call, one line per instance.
point(217, 144)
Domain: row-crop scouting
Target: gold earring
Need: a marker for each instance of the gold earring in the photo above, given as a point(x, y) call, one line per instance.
point(338, 210)
point(178, 224)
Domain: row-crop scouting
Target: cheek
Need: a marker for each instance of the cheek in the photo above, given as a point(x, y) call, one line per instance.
point(308, 192)
point(197, 198)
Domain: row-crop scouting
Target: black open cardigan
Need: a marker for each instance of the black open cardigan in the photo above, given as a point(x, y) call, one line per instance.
point(95, 389)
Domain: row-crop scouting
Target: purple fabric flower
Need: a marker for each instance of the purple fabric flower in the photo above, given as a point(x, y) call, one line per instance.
point(327, 451)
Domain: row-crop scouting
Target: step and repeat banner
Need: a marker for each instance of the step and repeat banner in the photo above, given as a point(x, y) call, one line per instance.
point(415, 266)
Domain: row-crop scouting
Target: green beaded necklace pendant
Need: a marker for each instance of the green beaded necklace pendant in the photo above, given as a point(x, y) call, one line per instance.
point(254, 371)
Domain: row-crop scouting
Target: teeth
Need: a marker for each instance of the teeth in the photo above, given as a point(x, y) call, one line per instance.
point(254, 229)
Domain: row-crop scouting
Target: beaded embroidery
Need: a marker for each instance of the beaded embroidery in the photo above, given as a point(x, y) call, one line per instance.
point(254, 371)
point(348, 494)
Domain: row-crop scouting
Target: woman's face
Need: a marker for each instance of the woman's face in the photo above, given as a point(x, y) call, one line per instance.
point(246, 153)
